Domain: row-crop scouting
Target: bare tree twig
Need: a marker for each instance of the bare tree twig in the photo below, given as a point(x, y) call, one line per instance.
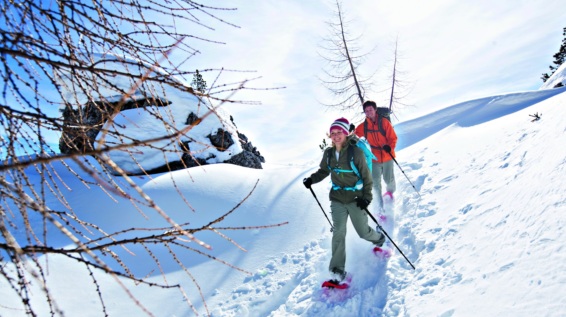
point(53, 57)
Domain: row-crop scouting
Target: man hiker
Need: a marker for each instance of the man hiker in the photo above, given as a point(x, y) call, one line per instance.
point(349, 195)
point(382, 138)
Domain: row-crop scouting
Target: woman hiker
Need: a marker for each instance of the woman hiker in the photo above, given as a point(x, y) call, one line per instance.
point(349, 195)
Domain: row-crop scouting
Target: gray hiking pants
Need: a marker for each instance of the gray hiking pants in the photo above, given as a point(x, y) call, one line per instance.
point(385, 170)
point(359, 219)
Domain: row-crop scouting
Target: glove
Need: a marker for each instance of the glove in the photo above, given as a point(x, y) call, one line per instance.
point(307, 182)
point(362, 202)
point(387, 148)
point(352, 127)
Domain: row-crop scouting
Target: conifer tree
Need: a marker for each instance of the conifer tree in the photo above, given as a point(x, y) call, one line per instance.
point(198, 84)
point(559, 59)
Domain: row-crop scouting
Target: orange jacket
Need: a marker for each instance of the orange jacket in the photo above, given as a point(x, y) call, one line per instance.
point(376, 139)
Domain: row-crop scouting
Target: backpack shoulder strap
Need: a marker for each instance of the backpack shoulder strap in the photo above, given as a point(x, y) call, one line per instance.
point(327, 152)
point(380, 124)
point(359, 183)
point(351, 159)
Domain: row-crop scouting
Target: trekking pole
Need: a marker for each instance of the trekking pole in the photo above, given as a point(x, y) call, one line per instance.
point(407, 177)
point(388, 237)
point(331, 227)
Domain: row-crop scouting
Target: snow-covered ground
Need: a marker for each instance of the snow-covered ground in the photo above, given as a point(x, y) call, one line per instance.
point(486, 234)
point(559, 77)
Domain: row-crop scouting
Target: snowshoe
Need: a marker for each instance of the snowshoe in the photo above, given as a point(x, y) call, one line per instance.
point(335, 284)
point(381, 252)
point(388, 197)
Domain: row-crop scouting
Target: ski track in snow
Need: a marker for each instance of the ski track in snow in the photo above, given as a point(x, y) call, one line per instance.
point(378, 287)
point(373, 278)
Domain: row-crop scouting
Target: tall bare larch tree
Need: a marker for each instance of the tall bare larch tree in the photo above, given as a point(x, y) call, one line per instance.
point(342, 75)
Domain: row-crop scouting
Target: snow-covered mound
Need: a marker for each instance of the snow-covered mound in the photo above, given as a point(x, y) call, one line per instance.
point(558, 78)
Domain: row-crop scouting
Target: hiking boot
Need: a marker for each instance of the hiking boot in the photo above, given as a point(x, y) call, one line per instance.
point(338, 275)
point(381, 240)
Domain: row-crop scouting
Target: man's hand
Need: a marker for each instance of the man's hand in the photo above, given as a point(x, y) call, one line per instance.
point(307, 182)
point(387, 148)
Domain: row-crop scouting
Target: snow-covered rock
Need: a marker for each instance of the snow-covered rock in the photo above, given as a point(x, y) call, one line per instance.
point(174, 127)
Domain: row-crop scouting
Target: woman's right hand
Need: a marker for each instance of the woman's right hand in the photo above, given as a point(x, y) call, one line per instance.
point(307, 182)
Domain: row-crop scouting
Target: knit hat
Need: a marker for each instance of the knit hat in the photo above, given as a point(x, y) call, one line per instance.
point(341, 124)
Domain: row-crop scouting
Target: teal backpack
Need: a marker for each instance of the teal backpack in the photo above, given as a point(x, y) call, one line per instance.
point(366, 149)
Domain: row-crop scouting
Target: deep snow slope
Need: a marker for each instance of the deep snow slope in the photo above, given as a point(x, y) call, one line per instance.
point(486, 233)
point(489, 230)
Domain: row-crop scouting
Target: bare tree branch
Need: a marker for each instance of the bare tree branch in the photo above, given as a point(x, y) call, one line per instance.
point(53, 58)
point(342, 76)
point(399, 88)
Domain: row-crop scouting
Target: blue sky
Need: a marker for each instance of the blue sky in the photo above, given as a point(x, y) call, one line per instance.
point(452, 51)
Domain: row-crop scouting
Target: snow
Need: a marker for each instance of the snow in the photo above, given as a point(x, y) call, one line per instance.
point(559, 77)
point(141, 124)
point(486, 234)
